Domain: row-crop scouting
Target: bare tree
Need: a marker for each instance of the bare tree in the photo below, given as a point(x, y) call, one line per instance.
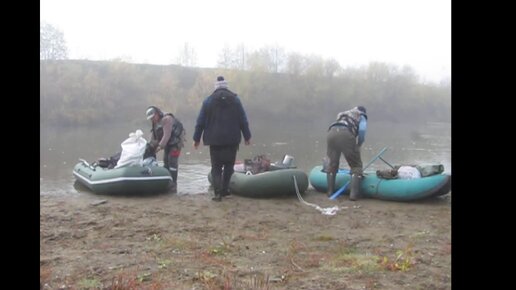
point(331, 68)
point(234, 59)
point(225, 58)
point(278, 58)
point(51, 43)
point(187, 56)
point(296, 64)
point(314, 65)
point(241, 57)
point(260, 61)
point(267, 59)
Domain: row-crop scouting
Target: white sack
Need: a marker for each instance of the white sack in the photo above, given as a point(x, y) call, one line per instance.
point(408, 172)
point(133, 149)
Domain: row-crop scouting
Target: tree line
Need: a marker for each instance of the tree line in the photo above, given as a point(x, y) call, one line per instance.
point(83, 92)
point(273, 85)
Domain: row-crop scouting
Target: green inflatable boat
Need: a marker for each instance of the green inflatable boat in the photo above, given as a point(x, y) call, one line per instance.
point(127, 180)
point(276, 183)
point(386, 189)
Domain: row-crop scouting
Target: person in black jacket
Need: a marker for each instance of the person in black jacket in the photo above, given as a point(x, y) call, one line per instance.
point(222, 121)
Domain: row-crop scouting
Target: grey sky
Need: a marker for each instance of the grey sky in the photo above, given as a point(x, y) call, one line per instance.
point(354, 32)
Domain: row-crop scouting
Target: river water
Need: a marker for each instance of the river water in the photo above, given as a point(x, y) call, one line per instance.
point(61, 148)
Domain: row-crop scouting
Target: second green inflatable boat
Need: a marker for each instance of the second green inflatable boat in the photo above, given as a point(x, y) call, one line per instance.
point(277, 183)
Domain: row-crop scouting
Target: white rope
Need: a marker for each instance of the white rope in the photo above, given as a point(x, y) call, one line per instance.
point(325, 211)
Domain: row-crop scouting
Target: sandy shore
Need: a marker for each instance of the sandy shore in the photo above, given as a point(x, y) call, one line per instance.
point(189, 242)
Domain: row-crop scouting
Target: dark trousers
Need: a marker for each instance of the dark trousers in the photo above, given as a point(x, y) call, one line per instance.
point(341, 141)
point(222, 162)
point(171, 162)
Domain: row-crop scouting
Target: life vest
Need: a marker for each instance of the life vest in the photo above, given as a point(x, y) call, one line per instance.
point(176, 136)
point(349, 119)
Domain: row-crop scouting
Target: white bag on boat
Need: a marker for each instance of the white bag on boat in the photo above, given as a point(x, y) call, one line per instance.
point(408, 172)
point(133, 149)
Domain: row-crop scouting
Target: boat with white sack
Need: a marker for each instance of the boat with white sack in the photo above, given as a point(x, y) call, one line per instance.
point(126, 174)
point(127, 180)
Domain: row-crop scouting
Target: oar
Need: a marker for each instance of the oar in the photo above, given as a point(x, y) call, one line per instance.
point(387, 163)
point(343, 188)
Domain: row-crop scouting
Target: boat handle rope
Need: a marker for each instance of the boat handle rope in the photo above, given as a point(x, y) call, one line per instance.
point(325, 211)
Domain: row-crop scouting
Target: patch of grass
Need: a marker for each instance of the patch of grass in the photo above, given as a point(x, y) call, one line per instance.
point(124, 281)
point(211, 257)
point(220, 250)
point(231, 280)
point(348, 259)
point(402, 262)
point(345, 250)
point(207, 278)
point(177, 244)
point(163, 264)
point(257, 281)
point(420, 234)
point(142, 277)
point(354, 262)
point(155, 242)
point(131, 280)
point(154, 238)
point(89, 283)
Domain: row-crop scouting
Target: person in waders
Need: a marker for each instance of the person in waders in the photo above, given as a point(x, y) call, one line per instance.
point(345, 136)
point(164, 137)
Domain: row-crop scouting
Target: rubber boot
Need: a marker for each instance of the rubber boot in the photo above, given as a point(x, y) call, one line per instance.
point(225, 184)
point(355, 186)
point(218, 196)
point(174, 175)
point(330, 179)
point(172, 188)
point(217, 189)
point(226, 193)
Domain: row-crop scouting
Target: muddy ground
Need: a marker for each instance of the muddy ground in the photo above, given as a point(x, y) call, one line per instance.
point(176, 241)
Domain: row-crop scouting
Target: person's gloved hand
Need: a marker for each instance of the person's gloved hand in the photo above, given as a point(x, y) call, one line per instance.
point(154, 143)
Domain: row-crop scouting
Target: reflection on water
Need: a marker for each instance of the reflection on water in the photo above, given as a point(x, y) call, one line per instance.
point(193, 178)
point(61, 148)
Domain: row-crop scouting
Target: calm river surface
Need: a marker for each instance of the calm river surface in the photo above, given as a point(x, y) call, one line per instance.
point(60, 149)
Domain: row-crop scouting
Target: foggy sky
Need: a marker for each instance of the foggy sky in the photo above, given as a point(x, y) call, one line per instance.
point(354, 32)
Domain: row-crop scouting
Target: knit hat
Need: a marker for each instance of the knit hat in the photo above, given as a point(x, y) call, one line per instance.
point(220, 83)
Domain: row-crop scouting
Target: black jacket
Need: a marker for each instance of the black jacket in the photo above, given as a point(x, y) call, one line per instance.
point(222, 120)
